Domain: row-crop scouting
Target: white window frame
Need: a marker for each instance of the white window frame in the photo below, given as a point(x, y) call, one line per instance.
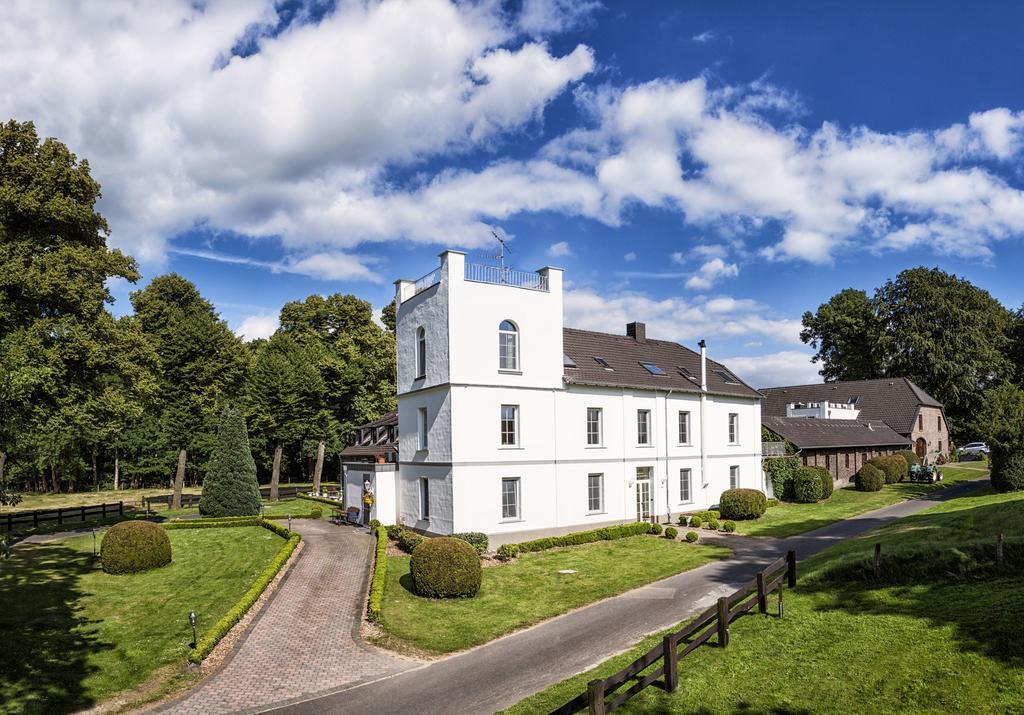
point(600, 493)
point(508, 439)
point(516, 514)
point(424, 499)
point(503, 333)
point(734, 476)
point(598, 423)
point(686, 478)
point(684, 426)
point(421, 429)
point(643, 419)
point(734, 428)
point(421, 353)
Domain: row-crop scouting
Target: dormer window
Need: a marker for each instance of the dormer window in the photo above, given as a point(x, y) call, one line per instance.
point(508, 346)
point(421, 353)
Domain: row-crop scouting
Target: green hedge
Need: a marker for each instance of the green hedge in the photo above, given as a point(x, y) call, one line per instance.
point(212, 637)
point(742, 503)
point(475, 539)
point(893, 467)
point(1007, 467)
point(134, 546)
point(333, 502)
point(910, 458)
point(807, 485)
point(781, 471)
point(445, 567)
point(586, 537)
point(380, 572)
point(221, 523)
point(827, 486)
point(870, 478)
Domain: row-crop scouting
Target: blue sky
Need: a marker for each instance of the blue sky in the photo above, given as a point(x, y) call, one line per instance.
point(714, 169)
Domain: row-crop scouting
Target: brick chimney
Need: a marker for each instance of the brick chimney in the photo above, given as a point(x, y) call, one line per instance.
point(637, 331)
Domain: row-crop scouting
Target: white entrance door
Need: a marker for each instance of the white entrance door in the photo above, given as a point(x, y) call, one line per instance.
point(643, 493)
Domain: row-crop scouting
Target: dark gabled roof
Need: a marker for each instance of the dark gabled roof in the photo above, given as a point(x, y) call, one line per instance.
point(625, 356)
point(375, 448)
point(813, 433)
point(388, 418)
point(894, 400)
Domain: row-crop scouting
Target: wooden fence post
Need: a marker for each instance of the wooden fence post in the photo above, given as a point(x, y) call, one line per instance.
point(762, 597)
point(791, 568)
point(878, 560)
point(595, 697)
point(120, 508)
point(83, 513)
point(999, 551)
point(780, 599)
point(671, 659)
point(723, 622)
point(60, 516)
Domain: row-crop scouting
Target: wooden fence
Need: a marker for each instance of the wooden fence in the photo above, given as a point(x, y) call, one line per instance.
point(17, 519)
point(712, 622)
point(188, 500)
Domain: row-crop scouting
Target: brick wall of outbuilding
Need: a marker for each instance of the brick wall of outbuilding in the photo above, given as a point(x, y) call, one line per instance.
point(930, 425)
point(843, 463)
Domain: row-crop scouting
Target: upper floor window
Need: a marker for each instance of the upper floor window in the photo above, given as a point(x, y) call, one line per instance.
point(421, 352)
point(938, 422)
point(421, 427)
point(509, 425)
point(734, 428)
point(508, 346)
point(643, 426)
point(594, 426)
point(684, 428)
point(920, 421)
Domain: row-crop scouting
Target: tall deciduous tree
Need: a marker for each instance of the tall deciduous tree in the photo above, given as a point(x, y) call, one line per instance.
point(202, 363)
point(845, 331)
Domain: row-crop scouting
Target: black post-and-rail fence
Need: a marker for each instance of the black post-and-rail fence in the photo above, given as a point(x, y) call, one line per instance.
point(65, 515)
point(188, 500)
point(602, 696)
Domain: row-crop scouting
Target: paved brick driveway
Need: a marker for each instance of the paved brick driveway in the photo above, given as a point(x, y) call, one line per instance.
point(306, 640)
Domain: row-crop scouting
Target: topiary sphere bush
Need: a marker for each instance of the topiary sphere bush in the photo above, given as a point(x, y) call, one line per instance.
point(656, 529)
point(807, 485)
point(445, 568)
point(133, 546)
point(729, 526)
point(695, 522)
point(893, 467)
point(909, 457)
point(692, 536)
point(870, 478)
point(713, 524)
point(742, 504)
point(827, 486)
point(671, 532)
point(1007, 470)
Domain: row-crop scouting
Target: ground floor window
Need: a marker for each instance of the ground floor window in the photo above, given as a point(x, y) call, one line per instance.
point(734, 477)
point(510, 498)
point(847, 457)
point(424, 498)
point(685, 480)
point(595, 493)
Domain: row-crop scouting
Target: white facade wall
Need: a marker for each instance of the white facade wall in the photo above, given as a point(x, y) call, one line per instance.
point(464, 390)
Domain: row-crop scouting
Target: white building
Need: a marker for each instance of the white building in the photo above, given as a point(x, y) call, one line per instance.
point(511, 425)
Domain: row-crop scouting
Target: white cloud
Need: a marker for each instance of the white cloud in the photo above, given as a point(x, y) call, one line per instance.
point(788, 367)
point(559, 250)
point(326, 265)
point(682, 320)
point(257, 326)
point(704, 37)
point(629, 257)
point(710, 272)
point(541, 17)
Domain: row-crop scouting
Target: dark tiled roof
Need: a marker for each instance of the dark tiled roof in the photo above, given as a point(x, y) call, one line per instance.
point(813, 433)
point(624, 356)
point(388, 418)
point(374, 448)
point(891, 400)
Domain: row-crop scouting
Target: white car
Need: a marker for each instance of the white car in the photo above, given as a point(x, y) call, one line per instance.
point(974, 448)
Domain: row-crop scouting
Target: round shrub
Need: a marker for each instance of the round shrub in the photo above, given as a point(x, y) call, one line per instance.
point(507, 552)
point(713, 524)
point(807, 485)
point(682, 520)
point(445, 568)
point(671, 532)
point(742, 504)
point(826, 482)
point(695, 522)
point(909, 457)
point(1007, 470)
point(893, 467)
point(133, 546)
point(476, 539)
point(656, 529)
point(773, 502)
point(316, 512)
point(870, 478)
point(729, 526)
point(691, 536)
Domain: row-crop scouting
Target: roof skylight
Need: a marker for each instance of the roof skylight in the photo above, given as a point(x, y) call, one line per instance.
point(603, 363)
point(652, 368)
point(568, 361)
point(727, 377)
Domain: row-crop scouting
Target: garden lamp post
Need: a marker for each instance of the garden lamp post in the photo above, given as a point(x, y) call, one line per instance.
point(192, 622)
point(94, 543)
point(289, 522)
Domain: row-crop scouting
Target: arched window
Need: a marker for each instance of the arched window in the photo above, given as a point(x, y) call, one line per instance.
point(508, 346)
point(421, 352)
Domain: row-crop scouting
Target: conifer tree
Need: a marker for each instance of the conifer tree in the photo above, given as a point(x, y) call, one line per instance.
point(230, 487)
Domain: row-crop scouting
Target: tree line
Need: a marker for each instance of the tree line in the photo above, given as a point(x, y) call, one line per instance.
point(950, 337)
point(88, 399)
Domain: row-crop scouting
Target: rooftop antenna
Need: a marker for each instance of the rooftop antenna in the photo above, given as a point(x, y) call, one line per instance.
point(502, 249)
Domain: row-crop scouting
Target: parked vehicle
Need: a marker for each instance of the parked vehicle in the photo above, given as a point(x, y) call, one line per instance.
point(974, 448)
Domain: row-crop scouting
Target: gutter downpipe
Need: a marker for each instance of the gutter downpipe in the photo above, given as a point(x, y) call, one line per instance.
point(703, 411)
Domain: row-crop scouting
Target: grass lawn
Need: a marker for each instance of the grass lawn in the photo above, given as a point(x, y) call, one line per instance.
point(530, 590)
point(788, 519)
point(272, 510)
point(943, 646)
point(74, 635)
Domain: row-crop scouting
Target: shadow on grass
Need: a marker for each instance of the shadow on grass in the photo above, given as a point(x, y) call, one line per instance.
point(741, 708)
point(46, 642)
point(407, 584)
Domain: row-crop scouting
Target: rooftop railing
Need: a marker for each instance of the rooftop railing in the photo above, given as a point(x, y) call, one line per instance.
point(425, 282)
point(499, 275)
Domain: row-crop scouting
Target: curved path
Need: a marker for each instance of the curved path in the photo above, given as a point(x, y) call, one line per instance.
point(306, 639)
point(503, 672)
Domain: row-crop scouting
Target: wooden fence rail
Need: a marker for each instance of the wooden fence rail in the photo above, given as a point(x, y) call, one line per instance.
point(714, 621)
point(16, 519)
point(188, 500)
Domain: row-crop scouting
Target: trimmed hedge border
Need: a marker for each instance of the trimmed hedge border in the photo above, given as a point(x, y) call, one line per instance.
point(607, 533)
point(220, 629)
point(333, 502)
point(374, 609)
